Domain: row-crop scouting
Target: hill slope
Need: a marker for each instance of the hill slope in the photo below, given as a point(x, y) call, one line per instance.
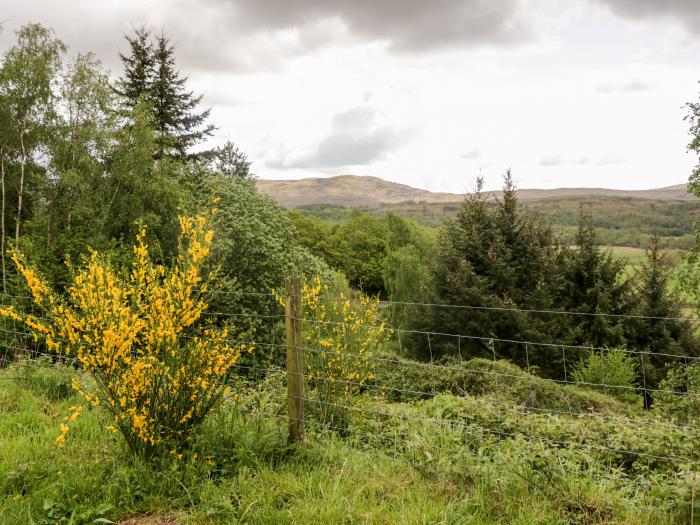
point(372, 192)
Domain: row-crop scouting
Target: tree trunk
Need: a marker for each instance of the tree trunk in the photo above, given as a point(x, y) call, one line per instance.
point(2, 221)
point(49, 226)
point(20, 191)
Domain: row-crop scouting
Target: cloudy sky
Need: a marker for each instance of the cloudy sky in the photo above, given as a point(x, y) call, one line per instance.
point(428, 93)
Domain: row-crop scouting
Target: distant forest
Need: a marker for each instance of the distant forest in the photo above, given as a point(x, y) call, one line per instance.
point(620, 221)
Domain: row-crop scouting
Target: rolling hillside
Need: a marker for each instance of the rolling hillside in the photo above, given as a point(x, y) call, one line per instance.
point(371, 192)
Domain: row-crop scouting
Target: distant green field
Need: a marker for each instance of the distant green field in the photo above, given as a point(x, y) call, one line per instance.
point(620, 221)
point(636, 256)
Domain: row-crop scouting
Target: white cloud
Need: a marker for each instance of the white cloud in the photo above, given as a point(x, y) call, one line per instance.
point(535, 84)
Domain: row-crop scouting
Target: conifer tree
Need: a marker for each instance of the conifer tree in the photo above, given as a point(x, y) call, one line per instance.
point(139, 68)
point(595, 288)
point(495, 262)
point(150, 72)
point(230, 162)
point(660, 329)
point(179, 125)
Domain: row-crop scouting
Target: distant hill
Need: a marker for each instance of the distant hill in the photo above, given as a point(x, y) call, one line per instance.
point(371, 192)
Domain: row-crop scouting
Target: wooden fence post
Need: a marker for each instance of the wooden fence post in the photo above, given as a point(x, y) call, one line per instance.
point(295, 360)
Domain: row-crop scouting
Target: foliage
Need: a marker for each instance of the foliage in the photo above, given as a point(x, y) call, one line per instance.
point(661, 329)
point(499, 382)
point(619, 221)
point(357, 247)
point(678, 394)
point(342, 333)
point(615, 369)
point(156, 373)
point(594, 289)
point(492, 259)
point(693, 119)
point(150, 73)
point(401, 468)
point(229, 161)
point(407, 267)
point(28, 81)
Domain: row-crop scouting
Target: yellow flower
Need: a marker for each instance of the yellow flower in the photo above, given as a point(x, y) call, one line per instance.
point(129, 334)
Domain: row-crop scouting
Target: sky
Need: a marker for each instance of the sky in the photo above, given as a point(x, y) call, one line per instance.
point(426, 93)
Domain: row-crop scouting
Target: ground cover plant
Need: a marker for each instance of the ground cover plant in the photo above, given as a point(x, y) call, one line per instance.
point(449, 459)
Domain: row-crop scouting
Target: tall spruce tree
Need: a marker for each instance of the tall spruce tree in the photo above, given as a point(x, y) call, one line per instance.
point(497, 263)
point(661, 330)
point(596, 289)
point(139, 68)
point(150, 72)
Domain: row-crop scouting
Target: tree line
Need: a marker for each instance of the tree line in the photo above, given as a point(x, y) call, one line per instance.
point(495, 273)
point(85, 162)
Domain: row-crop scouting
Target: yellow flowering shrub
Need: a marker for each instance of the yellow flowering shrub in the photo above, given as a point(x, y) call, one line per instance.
point(342, 334)
point(155, 368)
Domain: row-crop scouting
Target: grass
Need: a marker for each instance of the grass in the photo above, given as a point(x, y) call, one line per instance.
point(395, 468)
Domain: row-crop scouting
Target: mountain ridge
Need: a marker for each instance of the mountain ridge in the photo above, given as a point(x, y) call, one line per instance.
point(367, 191)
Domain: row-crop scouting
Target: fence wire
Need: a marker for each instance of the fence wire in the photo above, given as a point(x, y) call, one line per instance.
point(19, 349)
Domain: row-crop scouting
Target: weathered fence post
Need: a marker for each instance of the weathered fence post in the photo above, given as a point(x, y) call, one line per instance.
point(295, 359)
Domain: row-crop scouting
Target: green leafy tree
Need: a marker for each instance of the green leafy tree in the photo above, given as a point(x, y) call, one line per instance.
point(363, 244)
point(74, 191)
point(8, 150)
point(407, 268)
point(693, 119)
point(28, 83)
point(139, 190)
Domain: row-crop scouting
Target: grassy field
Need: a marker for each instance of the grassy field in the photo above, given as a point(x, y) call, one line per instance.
point(480, 465)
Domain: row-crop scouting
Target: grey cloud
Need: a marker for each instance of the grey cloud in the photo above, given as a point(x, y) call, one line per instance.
point(603, 161)
point(685, 12)
point(354, 119)
point(100, 34)
point(254, 35)
point(551, 161)
point(636, 85)
point(406, 25)
point(352, 141)
point(345, 149)
point(471, 154)
point(626, 87)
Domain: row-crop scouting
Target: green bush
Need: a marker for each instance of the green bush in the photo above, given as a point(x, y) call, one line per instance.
point(615, 369)
point(678, 395)
point(401, 380)
point(448, 429)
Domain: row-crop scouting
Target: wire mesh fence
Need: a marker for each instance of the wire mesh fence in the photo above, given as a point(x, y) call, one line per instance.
point(391, 405)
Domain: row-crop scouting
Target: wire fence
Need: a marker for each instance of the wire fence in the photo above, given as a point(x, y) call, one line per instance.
point(491, 401)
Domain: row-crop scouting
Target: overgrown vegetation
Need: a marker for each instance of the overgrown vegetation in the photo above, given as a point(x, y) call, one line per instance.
point(512, 377)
